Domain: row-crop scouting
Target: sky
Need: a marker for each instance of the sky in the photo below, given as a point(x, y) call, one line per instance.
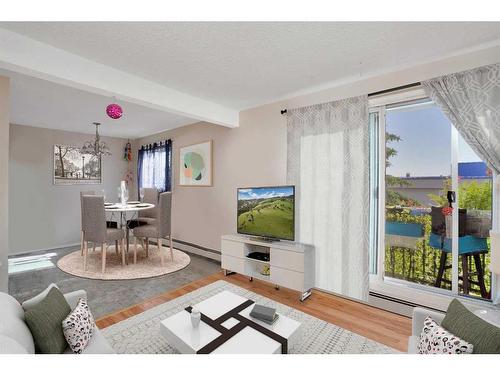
point(259, 193)
point(425, 146)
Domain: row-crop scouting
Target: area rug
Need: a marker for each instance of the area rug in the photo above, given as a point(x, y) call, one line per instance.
point(141, 333)
point(144, 268)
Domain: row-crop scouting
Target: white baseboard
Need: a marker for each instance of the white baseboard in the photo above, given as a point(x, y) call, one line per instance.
point(27, 252)
point(178, 244)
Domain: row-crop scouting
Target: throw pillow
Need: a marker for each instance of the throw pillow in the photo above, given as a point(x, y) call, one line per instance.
point(464, 323)
point(44, 321)
point(32, 302)
point(434, 339)
point(78, 327)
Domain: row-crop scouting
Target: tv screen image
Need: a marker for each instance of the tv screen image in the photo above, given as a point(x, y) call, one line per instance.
point(267, 212)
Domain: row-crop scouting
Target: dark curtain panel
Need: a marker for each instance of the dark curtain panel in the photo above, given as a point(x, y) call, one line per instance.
point(168, 165)
point(140, 158)
point(154, 166)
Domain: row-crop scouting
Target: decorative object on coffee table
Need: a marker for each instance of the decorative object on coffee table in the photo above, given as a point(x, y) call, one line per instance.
point(266, 314)
point(195, 317)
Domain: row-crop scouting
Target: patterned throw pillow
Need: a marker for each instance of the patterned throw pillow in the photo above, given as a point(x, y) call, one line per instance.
point(78, 327)
point(434, 339)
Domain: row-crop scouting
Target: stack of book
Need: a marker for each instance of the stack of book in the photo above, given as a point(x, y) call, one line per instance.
point(265, 314)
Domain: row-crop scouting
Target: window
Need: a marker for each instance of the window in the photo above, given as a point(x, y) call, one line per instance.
point(154, 166)
point(418, 157)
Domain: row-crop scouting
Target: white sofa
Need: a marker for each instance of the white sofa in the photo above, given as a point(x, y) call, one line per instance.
point(15, 336)
point(417, 323)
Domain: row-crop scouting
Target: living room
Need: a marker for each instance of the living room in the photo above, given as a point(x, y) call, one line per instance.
point(269, 187)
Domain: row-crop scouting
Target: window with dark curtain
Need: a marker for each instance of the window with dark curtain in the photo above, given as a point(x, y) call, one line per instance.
point(154, 166)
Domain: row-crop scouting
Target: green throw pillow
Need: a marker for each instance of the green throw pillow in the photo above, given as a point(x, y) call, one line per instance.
point(465, 324)
point(45, 323)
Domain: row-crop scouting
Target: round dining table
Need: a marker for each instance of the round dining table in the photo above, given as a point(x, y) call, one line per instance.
point(131, 207)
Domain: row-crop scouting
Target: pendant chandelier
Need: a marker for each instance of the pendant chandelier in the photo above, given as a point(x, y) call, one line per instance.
point(96, 147)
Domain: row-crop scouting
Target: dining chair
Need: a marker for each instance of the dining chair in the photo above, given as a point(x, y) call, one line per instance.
point(162, 228)
point(109, 224)
point(82, 193)
point(149, 216)
point(94, 223)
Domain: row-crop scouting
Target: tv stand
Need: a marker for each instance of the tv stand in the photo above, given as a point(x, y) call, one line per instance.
point(290, 265)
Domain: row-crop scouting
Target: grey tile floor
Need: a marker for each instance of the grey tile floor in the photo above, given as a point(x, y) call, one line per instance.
point(105, 297)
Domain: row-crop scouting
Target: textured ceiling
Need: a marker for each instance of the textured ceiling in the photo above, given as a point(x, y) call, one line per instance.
point(40, 103)
point(241, 65)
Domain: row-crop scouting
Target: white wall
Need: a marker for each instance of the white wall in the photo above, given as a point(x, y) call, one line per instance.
point(4, 178)
point(41, 214)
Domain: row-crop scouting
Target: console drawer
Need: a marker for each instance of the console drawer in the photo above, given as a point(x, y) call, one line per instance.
point(233, 264)
point(232, 248)
point(288, 279)
point(290, 260)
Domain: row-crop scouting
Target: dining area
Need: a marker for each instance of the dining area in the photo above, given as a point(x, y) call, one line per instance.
point(125, 239)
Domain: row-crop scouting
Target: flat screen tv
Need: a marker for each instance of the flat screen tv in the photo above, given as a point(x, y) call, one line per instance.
point(267, 212)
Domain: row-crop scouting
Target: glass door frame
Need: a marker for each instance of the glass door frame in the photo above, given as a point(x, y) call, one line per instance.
point(378, 106)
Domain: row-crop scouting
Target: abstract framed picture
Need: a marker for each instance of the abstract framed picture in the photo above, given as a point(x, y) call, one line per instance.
point(196, 164)
point(71, 167)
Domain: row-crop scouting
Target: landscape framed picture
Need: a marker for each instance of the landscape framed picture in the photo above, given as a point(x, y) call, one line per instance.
point(196, 164)
point(71, 167)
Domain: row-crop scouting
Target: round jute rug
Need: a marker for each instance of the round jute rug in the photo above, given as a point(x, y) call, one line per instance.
point(144, 268)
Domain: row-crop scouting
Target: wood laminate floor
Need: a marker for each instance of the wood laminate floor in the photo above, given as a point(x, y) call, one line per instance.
point(376, 324)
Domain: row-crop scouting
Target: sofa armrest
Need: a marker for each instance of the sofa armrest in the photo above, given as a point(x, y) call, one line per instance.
point(73, 297)
point(419, 315)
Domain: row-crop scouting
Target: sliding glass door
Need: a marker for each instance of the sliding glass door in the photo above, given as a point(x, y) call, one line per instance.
point(434, 202)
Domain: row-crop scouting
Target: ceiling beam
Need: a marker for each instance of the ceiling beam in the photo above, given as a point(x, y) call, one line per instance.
point(28, 56)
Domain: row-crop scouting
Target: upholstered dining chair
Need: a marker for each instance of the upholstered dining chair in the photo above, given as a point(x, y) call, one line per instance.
point(162, 228)
point(149, 216)
point(82, 193)
point(95, 230)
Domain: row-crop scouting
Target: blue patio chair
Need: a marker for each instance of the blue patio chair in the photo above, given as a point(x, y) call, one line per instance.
point(468, 246)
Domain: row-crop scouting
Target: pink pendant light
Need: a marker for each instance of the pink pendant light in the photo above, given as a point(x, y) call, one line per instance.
point(114, 111)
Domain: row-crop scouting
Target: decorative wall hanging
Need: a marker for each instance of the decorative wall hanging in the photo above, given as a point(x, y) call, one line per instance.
point(72, 167)
point(96, 147)
point(127, 152)
point(127, 156)
point(114, 111)
point(196, 164)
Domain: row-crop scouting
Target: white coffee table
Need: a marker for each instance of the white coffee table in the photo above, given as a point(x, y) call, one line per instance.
point(238, 334)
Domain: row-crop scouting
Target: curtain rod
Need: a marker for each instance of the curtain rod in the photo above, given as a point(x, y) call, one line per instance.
point(410, 85)
point(415, 84)
point(153, 144)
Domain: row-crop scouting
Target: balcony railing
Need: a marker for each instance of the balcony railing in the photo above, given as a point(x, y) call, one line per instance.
point(413, 254)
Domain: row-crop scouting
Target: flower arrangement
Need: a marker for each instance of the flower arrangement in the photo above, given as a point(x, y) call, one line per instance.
point(447, 211)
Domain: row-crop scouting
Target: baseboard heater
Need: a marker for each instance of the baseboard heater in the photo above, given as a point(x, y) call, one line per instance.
point(400, 301)
point(194, 249)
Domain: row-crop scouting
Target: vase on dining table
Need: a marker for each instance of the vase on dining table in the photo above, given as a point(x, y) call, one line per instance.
point(123, 193)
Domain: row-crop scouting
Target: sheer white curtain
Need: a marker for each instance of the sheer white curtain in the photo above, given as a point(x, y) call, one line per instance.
point(471, 100)
point(153, 169)
point(328, 162)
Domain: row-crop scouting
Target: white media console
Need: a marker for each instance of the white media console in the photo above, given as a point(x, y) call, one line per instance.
point(291, 265)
